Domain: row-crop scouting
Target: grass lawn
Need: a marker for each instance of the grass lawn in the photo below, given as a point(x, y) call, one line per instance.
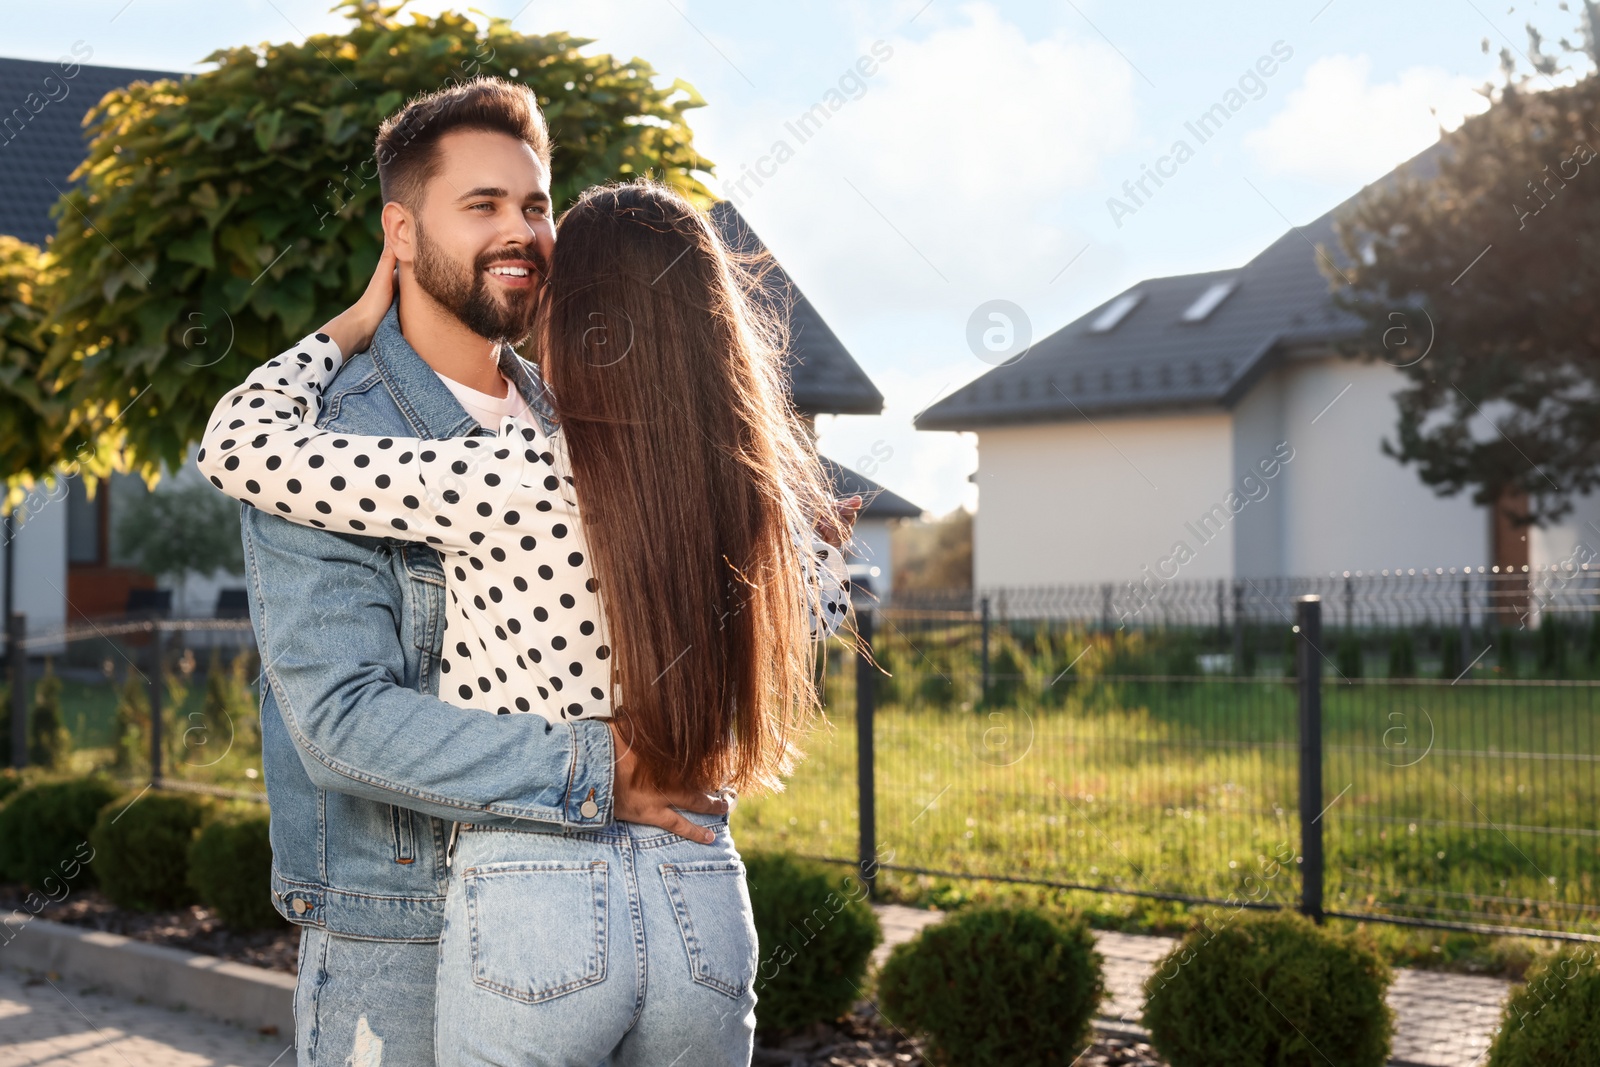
point(1475, 802)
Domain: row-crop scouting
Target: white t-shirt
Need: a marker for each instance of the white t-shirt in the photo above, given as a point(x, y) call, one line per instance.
point(489, 410)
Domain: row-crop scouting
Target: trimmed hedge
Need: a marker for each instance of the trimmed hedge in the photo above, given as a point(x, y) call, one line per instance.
point(816, 932)
point(141, 849)
point(997, 987)
point(1270, 990)
point(44, 833)
point(1553, 1020)
point(230, 867)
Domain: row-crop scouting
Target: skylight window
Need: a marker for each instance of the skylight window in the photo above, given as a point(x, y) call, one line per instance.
point(1115, 312)
point(1208, 301)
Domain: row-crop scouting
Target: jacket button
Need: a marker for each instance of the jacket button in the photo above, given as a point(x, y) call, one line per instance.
point(589, 809)
point(299, 906)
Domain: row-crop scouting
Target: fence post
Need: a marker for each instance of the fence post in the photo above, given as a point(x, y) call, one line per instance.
point(1105, 607)
point(1238, 627)
point(1222, 609)
point(158, 650)
point(983, 648)
point(1309, 670)
point(1466, 617)
point(866, 795)
point(17, 661)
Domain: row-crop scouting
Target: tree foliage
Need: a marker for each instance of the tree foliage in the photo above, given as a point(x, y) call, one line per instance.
point(31, 414)
point(222, 216)
point(1493, 261)
point(182, 529)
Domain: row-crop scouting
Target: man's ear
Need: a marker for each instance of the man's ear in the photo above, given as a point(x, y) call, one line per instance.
point(400, 231)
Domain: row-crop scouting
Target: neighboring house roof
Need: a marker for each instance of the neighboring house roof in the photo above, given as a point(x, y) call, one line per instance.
point(876, 501)
point(1152, 359)
point(38, 149)
point(827, 379)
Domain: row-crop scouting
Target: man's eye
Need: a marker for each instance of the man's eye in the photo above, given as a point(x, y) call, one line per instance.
point(484, 204)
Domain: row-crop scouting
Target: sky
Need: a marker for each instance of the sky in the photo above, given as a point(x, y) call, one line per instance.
point(980, 157)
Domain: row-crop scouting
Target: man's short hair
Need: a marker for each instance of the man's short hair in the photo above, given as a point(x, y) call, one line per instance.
point(407, 150)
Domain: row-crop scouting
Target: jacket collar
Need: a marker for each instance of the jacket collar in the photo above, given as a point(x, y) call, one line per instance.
point(426, 402)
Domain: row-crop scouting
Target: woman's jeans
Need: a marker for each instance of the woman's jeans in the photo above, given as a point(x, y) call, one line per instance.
point(625, 946)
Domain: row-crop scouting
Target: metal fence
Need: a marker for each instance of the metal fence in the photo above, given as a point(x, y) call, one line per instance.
point(1470, 804)
point(1049, 752)
point(1465, 597)
point(174, 702)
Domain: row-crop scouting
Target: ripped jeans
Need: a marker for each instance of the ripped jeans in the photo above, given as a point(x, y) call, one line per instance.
point(625, 946)
point(364, 1003)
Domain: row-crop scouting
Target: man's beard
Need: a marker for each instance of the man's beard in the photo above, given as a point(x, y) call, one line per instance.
point(466, 295)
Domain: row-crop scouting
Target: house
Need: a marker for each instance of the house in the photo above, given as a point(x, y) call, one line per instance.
point(1203, 426)
point(64, 549)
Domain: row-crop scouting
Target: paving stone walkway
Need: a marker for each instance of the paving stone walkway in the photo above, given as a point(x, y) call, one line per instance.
point(60, 1023)
point(1445, 1020)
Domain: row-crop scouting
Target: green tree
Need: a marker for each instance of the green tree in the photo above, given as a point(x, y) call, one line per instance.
point(933, 556)
point(220, 217)
point(1490, 261)
point(49, 743)
point(31, 415)
point(184, 529)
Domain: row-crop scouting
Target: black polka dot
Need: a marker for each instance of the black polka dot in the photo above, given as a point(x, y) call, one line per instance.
point(495, 594)
point(466, 692)
point(602, 652)
point(485, 510)
point(541, 615)
point(521, 583)
point(522, 704)
point(252, 485)
point(483, 683)
point(428, 456)
point(498, 554)
point(293, 485)
point(381, 481)
point(337, 483)
point(545, 572)
point(559, 530)
point(514, 626)
point(527, 544)
point(552, 482)
point(367, 504)
point(512, 518)
point(576, 559)
point(459, 466)
point(586, 628)
point(315, 461)
point(597, 693)
point(568, 600)
point(558, 642)
point(491, 479)
point(274, 462)
point(575, 669)
point(412, 502)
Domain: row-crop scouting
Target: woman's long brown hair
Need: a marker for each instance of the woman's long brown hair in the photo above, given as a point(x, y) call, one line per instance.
point(694, 477)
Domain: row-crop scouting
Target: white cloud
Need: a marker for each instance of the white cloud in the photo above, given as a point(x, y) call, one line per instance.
point(961, 150)
point(1339, 128)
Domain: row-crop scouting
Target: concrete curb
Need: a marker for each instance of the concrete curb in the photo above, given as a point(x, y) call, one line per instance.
point(250, 996)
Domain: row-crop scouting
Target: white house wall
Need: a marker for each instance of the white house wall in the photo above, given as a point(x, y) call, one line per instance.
point(1098, 502)
point(1346, 505)
point(1258, 435)
point(40, 548)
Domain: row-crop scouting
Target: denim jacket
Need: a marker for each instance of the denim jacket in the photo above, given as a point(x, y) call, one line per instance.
point(365, 768)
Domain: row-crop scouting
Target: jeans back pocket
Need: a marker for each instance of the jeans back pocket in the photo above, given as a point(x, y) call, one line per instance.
point(538, 928)
point(712, 905)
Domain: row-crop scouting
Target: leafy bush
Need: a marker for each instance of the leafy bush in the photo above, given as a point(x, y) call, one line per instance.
point(1402, 656)
point(1001, 986)
point(132, 724)
point(141, 847)
point(816, 932)
point(44, 832)
point(1270, 990)
point(1554, 1020)
point(10, 782)
point(49, 744)
point(230, 868)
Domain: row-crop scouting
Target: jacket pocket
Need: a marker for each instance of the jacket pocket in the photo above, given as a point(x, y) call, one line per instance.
point(405, 835)
point(712, 905)
point(537, 928)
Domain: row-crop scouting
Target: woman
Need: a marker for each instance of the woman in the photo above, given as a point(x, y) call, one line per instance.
point(681, 478)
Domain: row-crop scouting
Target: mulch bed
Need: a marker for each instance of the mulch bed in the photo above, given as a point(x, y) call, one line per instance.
point(861, 1039)
point(865, 1039)
point(194, 929)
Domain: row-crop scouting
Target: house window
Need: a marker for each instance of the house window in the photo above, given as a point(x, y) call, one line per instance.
point(86, 525)
point(1208, 301)
point(1115, 312)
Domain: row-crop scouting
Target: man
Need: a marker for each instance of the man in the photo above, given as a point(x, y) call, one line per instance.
point(366, 770)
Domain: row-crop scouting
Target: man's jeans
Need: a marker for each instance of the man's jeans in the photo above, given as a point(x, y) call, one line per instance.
point(628, 941)
point(364, 1003)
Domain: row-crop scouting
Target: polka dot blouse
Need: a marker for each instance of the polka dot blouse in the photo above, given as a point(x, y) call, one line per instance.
point(524, 631)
